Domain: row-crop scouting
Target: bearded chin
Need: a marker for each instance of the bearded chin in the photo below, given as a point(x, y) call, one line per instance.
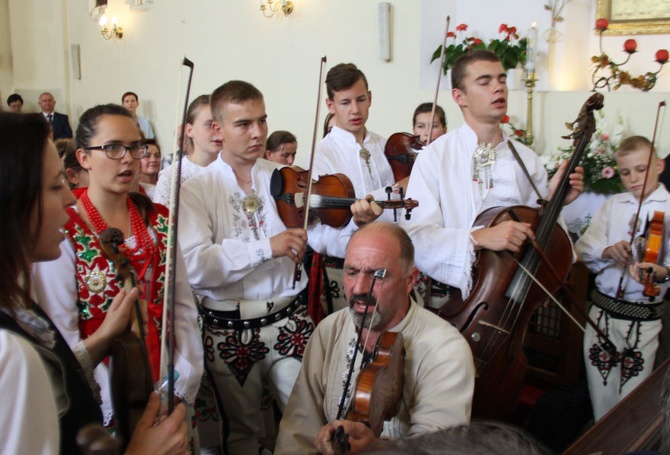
point(369, 323)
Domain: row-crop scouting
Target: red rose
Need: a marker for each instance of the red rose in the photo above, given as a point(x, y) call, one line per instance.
point(519, 133)
point(505, 119)
point(630, 45)
point(601, 24)
point(461, 27)
point(661, 56)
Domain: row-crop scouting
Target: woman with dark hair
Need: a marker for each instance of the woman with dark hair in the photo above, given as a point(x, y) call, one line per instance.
point(281, 147)
point(328, 123)
point(131, 101)
point(81, 284)
point(203, 142)
point(77, 176)
point(41, 380)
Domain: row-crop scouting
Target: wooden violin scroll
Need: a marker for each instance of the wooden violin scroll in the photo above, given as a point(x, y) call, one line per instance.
point(111, 240)
point(130, 377)
point(94, 439)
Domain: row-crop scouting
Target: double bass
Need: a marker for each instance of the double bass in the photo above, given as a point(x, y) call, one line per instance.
point(494, 318)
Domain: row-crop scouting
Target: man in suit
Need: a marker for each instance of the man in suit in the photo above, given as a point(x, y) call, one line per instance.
point(60, 124)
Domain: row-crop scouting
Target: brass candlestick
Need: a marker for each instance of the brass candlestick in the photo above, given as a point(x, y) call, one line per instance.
point(530, 85)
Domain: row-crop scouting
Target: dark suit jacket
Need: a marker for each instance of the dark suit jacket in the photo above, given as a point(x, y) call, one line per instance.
point(61, 126)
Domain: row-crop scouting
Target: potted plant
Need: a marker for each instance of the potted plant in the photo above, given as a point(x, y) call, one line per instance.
point(510, 49)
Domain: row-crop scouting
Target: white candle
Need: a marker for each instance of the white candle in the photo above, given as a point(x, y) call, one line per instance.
point(531, 49)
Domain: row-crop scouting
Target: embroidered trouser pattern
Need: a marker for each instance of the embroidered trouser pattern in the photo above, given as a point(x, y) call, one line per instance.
point(240, 361)
point(611, 378)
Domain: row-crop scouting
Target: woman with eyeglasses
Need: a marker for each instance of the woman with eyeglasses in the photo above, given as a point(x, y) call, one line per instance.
point(80, 286)
point(46, 397)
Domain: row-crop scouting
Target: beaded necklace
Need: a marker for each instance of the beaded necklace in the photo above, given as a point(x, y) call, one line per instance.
point(144, 248)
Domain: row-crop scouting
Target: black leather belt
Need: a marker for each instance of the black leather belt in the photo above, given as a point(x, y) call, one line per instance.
point(630, 311)
point(230, 320)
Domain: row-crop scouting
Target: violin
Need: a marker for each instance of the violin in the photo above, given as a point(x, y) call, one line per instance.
point(376, 397)
point(495, 316)
point(331, 199)
point(648, 287)
point(650, 247)
point(400, 151)
point(130, 375)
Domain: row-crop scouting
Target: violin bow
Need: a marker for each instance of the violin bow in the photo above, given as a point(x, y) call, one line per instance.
point(437, 87)
point(619, 291)
point(297, 271)
point(167, 358)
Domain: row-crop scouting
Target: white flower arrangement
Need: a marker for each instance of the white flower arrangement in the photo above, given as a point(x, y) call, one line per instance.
point(600, 170)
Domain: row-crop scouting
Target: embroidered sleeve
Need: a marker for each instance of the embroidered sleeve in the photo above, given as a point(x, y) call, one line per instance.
point(81, 353)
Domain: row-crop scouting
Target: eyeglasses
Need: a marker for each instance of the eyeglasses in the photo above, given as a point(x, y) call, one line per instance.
point(118, 151)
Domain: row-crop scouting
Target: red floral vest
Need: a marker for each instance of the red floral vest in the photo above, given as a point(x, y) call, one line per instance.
point(97, 284)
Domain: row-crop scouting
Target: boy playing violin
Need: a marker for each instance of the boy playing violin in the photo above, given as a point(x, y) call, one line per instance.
point(353, 150)
point(632, 321)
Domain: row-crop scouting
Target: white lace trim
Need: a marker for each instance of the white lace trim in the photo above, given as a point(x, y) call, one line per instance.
point(81, 353)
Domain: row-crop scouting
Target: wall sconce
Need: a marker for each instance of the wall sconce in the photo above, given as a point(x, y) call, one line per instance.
point(273, 6)
point(109, 33)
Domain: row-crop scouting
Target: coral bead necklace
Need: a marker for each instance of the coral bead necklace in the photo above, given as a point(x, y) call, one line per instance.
point(144, 246)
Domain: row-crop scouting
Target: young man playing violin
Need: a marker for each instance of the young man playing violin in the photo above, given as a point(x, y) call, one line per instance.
point(469, 170)
point(350, 149)
point(438, 371)
point(240, 260)
point(632, 321)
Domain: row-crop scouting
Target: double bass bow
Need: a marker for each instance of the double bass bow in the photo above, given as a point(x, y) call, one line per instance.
point(495, 316)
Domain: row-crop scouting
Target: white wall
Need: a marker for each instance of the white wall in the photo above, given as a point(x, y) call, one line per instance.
point(230, 39)
point(6, 70)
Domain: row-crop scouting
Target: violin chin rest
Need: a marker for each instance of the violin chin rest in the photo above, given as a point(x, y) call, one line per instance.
point(276, 183)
